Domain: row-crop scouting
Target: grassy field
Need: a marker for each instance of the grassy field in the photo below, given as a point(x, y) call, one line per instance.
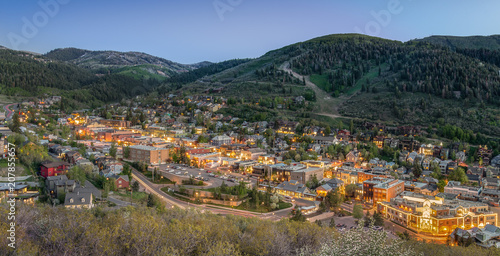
point(21, 170)
point(321, 81)
point(359, 84)
point(137, 197)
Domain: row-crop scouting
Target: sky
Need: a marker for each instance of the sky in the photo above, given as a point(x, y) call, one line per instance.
point(190, 31)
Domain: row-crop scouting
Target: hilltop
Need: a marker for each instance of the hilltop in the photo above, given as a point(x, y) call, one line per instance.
point(135, 64)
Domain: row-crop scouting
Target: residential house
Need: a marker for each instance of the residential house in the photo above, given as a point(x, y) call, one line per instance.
point(79, 200)
point(48, 168)
point(121, 181)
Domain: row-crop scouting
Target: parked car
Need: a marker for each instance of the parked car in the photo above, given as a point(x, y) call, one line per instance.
point(178, 173)
point(211, 175)
point(208, 171)
point(206, 179)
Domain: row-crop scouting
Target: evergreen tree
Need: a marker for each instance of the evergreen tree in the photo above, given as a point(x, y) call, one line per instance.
point(16, 124)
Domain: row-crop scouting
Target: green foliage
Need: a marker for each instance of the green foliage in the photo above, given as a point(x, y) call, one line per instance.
point(78, 174)
point(357, 211)
point(458, 175)
point(113, 150)
point(298, 216)
point(332, 223)
point(135, 186)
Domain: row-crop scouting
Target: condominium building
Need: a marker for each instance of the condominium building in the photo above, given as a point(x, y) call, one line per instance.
point(148, 154)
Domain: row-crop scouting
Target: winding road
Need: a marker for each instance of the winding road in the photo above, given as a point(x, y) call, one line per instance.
point(8, 111)
point(174, 202)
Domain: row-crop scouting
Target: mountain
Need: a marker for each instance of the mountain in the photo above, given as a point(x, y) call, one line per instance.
point(28, 75)
point(465, 42)
point(359, 77)
point(135, 64)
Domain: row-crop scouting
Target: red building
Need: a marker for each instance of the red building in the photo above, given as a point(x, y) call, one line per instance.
point(121, 181)
point(53, 169)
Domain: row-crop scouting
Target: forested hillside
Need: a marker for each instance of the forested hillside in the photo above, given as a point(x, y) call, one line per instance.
point(416, 83)
point(27, 75)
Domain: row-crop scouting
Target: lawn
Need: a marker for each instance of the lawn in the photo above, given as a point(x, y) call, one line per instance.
point(370, 75)
point(137, 197)
point(21, 170)
point(321, 81)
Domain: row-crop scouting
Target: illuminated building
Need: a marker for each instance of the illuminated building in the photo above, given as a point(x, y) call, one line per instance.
point(436, 216)
point(381, 190)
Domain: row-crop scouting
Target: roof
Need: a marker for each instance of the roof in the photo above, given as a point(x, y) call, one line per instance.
point(54, 164)
point(78, 198)
point(143, 147)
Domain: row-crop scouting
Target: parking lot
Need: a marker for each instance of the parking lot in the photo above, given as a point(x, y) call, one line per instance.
point(213, 177)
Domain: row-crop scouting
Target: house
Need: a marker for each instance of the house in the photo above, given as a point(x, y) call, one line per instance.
point(59, 184)
point(323, 190)
point(79, 200)
point(49, 168)
point(353, 156)
point(121, 181)
point(325, 140)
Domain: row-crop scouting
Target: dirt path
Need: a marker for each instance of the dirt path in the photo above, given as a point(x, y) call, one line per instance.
point(326, 105)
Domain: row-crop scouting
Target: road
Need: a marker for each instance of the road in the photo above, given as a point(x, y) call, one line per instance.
point(8, 111)
point(174, 202)
point(150, 187)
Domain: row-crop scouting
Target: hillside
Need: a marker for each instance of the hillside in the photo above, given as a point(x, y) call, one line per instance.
point(135, 64)
point(27, 75)
point(43, 231)
point(465, 42)
point(366, 78)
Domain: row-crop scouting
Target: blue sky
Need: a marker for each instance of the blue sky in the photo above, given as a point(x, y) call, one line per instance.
point(189, 31)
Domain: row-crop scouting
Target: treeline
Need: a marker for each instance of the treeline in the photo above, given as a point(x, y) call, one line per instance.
point(191, 76)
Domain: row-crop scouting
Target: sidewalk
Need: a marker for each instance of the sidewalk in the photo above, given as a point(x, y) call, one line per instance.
point(322, 216)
